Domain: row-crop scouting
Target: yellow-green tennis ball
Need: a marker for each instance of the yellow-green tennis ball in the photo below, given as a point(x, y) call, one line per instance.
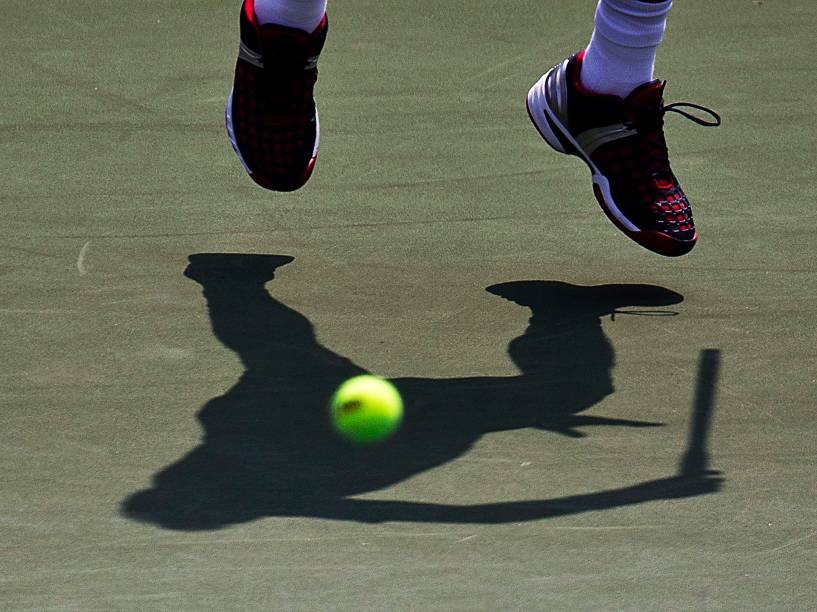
point(366, 409)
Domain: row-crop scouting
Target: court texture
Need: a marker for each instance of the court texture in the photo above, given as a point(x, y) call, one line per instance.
point(588, 425)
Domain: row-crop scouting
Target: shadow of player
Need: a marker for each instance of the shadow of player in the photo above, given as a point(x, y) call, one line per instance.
point(268, 448)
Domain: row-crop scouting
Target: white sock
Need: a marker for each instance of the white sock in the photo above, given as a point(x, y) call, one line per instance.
point(621, 53)
point(304, 15)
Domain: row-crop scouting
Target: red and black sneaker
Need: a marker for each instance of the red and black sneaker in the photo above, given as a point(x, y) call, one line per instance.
point(622, 141)
point(271, 117)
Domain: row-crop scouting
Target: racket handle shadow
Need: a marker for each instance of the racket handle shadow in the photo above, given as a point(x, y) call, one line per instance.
point(695, 461)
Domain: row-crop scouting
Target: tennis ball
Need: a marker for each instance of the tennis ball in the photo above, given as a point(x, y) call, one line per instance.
point(366, 409)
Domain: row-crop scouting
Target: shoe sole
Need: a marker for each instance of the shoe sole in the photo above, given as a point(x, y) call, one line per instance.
point(556, 134)
point(261, 179)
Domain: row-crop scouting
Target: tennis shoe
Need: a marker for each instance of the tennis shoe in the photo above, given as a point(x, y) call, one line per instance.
point(271, 118)
point(622, 141)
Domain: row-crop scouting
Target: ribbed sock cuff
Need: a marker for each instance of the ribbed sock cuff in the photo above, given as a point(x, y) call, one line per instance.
point(621, 53)
point(632, 23)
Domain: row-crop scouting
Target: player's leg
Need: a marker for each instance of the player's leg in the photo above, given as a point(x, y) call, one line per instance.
point(603, 106)
point(272, 121)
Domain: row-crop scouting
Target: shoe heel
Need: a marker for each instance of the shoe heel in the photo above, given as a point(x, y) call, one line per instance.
point(536, 103)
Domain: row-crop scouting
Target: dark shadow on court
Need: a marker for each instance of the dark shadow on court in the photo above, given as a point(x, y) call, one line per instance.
point(268, 448)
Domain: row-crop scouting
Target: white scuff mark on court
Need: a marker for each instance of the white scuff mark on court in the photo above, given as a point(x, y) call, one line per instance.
point(466, 538)
point(790, 543)
point(37, 310)
point(483, 74)
point(81, 259)
point(153, 542)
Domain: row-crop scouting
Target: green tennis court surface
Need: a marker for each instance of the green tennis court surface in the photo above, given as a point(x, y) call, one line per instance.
point(588, 425)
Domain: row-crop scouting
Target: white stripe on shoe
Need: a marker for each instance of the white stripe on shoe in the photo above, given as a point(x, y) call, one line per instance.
point(544, 117)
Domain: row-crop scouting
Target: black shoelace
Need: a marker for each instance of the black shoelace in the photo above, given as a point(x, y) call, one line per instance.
point(673, 108)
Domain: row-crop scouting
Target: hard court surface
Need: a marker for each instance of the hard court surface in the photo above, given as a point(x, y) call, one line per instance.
point(589, 426)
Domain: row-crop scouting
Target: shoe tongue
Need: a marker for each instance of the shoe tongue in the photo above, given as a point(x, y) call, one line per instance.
point(285, 48)
point(648, 98)
point(649, 94)
point(277, 37)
